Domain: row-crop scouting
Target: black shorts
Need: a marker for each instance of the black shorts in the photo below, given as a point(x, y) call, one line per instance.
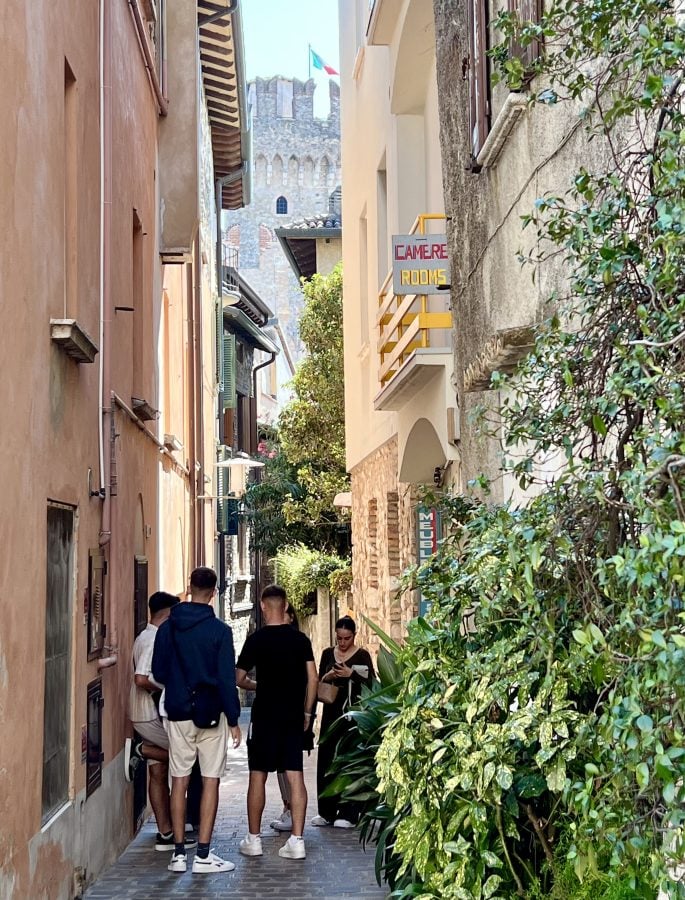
point(275, 748)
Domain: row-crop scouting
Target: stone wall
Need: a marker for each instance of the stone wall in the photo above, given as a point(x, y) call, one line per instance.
point(491, 291)
point(384, 544)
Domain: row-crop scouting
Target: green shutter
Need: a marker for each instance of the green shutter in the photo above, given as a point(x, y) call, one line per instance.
point(222, 479)
point(219, 344)
point(228, 395)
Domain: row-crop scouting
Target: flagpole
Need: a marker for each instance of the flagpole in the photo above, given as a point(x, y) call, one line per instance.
point(309, 60)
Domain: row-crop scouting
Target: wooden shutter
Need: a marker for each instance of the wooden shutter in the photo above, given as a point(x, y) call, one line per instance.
point(219, 344)
point(479, 78)
point(222, 479)
point(228, 394)
point(527, 11)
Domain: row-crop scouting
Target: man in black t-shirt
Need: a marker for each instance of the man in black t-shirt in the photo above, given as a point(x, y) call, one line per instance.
point(285, 683)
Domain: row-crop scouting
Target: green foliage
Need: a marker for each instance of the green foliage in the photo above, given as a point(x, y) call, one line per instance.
point(266, 500)
point(539, 745)
point(312, 425)
point(300, 570)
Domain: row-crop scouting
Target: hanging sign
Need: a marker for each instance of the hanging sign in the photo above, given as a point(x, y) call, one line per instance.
point(428, 534)
point(420, 263)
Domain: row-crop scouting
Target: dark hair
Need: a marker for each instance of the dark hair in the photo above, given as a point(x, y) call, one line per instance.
point(290, 611)
point(161, 600)
point(348, 623)
point(274, 592)
point(203, 578)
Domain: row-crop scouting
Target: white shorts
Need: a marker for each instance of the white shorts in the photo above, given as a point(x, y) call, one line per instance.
point(153, 732)
point(187, 743)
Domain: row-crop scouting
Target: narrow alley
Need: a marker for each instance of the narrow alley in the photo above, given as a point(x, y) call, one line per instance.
point(335, 867)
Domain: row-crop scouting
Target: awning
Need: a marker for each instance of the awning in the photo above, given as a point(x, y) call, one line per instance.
point(235, 319)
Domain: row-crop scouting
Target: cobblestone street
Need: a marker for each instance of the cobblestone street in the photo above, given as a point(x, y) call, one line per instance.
point(335, 867)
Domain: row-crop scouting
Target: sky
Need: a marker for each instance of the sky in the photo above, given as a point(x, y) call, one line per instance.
point(277, 33)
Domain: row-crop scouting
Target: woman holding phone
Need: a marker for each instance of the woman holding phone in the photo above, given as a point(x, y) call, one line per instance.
point(345, 667)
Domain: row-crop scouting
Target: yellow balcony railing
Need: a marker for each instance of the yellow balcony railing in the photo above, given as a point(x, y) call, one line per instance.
point(405, 321)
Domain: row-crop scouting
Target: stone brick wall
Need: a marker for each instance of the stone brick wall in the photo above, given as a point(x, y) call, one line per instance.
point(384, 544)
point(297, 157)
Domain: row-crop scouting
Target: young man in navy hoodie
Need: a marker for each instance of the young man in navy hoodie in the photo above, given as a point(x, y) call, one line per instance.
point(194, 655)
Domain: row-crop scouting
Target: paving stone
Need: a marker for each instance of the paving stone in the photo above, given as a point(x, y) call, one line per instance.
point(336, 865)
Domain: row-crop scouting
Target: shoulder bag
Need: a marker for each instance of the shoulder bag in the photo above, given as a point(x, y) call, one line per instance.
point(205, 702)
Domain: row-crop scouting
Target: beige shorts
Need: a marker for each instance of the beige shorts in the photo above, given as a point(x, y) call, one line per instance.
point(187, 743)
point(153, 732)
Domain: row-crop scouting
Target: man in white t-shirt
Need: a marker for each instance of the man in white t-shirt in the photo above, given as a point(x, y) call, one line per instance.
point(153, 743)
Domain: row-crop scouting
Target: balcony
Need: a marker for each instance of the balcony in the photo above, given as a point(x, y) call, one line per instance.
point(414, 343)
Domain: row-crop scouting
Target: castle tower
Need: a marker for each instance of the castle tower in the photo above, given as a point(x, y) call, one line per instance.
point(296, 170)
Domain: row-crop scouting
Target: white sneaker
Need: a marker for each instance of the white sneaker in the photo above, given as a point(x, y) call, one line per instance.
point(251, 846)
point(283, 823)
point(320, 822)
point(343, 823)
point(293, 849)
point(212, 864)
point(178, 863)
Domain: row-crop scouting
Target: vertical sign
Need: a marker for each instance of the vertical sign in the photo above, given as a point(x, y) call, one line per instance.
point(428, 528)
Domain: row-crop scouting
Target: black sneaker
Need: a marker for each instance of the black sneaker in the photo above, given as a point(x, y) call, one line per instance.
point(168, 843)
point(133, 757)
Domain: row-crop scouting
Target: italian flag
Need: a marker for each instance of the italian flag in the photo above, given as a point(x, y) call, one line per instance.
point(318, 63)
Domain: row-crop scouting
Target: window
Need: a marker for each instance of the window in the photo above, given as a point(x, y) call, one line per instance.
point(476, 64)
point(94, 752)
point(281, 206)
point(527, 11)
point(58, 615)
point(477, 68)
point(96, 602)
point(139, 595)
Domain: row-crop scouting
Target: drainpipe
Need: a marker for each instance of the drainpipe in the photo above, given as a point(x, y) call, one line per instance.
point(198, 473)
point(254, 374)
point(162, 101)
point(106, 423)
point(105, 373)
point(192, 481)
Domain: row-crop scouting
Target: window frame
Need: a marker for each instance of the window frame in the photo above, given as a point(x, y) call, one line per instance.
point(281, 206)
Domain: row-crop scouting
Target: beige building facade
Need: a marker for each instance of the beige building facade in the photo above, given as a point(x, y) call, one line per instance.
point(108, 161)
point(400, 403)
